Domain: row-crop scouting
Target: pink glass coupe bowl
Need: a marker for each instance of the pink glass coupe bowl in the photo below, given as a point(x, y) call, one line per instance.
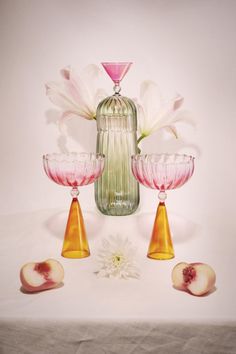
point(73, 169)
point(162, 171)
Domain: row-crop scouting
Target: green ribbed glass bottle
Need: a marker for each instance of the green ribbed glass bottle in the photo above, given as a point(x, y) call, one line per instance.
point(117, 191)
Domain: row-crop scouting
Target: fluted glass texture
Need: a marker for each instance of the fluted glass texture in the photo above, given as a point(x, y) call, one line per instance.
point(162, 171)
point(117, 191)
point(73, 169)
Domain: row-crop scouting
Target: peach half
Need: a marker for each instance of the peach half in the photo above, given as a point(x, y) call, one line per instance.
point(196, 278)
point(41, 276)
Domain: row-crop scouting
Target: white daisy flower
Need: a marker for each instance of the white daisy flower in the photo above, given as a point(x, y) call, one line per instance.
point(116, 259)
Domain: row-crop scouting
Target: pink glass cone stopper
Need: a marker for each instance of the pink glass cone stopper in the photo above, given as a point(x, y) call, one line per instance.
point(116, 70)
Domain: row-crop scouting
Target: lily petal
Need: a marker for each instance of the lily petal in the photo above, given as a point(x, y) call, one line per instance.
point(178, 101)
point(56, 92)
point(65, 72)
point(100, 94)
point(91, 72)
point(141, 119)
point(151, 98)
point(172, 129)
point(185, 117)
point(168, 108)
point(76, 95)
point(80, 91)
point(82, 103)
point(154, 113)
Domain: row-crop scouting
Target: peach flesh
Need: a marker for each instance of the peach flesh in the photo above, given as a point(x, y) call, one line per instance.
point(41, 276)
point(196, 278)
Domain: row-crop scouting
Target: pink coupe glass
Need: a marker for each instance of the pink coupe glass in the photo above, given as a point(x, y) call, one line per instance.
point(74, 170)
point(162, 172)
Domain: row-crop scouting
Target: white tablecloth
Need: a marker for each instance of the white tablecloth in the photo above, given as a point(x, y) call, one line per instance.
point(88, 314)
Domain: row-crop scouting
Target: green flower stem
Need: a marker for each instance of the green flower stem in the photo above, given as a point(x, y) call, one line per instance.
point(138, 141)
point(140, 138)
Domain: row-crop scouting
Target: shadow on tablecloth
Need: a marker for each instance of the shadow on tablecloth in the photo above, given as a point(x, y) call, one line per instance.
point(182, 230)
point(56, 224)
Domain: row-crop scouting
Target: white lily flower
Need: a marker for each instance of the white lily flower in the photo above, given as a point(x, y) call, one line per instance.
point(76, 94)
point(155, 113)
point(116, 259)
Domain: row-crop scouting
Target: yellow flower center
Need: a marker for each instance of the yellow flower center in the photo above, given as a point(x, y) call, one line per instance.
point(117, 259)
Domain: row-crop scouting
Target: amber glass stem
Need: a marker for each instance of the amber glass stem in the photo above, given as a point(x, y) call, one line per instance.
point(161, 246)
point(75, 240)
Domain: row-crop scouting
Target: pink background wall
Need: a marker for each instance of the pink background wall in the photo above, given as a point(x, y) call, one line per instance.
point(186, 46)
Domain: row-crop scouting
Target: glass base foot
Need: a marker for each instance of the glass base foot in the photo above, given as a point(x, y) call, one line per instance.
point(161, 256)
point(75, 254)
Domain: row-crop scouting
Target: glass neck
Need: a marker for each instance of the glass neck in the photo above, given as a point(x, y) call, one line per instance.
point(117, 88)
point(74, 192)
point(162, 196)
